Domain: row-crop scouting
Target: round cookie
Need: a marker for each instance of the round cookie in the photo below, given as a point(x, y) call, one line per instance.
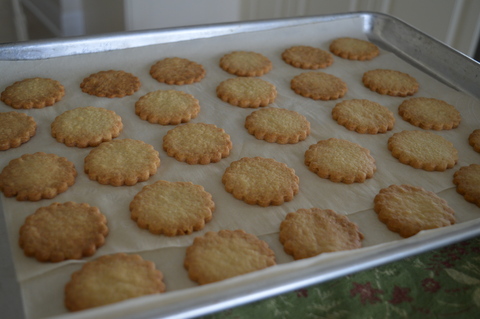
point(245, 63)
point(197, 143)
point(467, 180)
point(276, 125)
point(408, 210)
point(247, 92)
point(474, 140)
point(307, 57)
point(110, 84)
point(423, 149)
point(177, 71)
point(429, 113)
point(311, 232)
point(390, 82)
point(354, 49)
point(172, 208)
point(340, 161)
point(15, 129)
point(225, 254)
point(63, 231)
point(33, 93)
point(318, 86)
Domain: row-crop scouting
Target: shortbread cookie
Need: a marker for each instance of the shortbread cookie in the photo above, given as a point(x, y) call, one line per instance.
point(408, 210)
point(247, 92)
point(318, 86)
point(276, 125)
point(429, 113)
point(423, 149)
point(245, 63)
point(307, 57)
point(110, 84)
point(63, 231)
point(474, 140)
point(167, 107)
point(311, 232)
point(197, 143)
point(172, 208)
point(225, 254)
point(363, 116)
point(177, 71)
point(33, 93)
point(261, 181)
point(15, 129)
point(340, 161)
point(35, 176)
point(110, 279)
point(390, 82)
point(86, 126)
point(467, 179)
point(354, 49)
point(122, 162)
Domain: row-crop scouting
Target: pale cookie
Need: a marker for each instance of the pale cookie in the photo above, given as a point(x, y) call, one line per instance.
point(340, 161)
point(226, 254)
point(318, 86)
point(424, 150)
point(474, 140)
point(429, 113)
point(15, 129)
point(261, 181)
point(245, 63)
point(33, 93)
point(390, 82)
point(363, 116)
point(467, 179)
point(311, 232)
point(247, 92)
point(167, 107)
point(122, 162)
point(86, 126)
point(276, 125)
point(35, 176)
point(63, 231)
point(172, 208)
point(307, 57)
point(407, 210)
point(110, 84)
point(110, 279)
point(197, 143)
point(354, 49)
point(177, 71)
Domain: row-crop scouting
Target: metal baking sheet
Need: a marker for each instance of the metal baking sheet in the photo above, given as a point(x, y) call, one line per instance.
point(416, 48)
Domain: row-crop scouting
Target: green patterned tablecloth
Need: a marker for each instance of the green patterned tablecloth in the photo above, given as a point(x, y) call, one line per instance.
point(443, 283)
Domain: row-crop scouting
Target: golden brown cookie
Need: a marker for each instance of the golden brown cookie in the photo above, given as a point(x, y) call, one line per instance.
point(35, 176)
point(408, 210)
point(177, 71)
point(245, 63)
point(33, 93)
point(467, 180)
point(63, 231)
point(354, 49)
point(340, 161)
point(311, 232)
point(318, 86)
point(110, 84)
point(390, 82)
point(363, 116)
point(172, 208)
point(423, 149)
point(429, 113)
point(276, 125)
point(86, 126)
point(167, 107)
point(474, 140)
point(261, 181)
point(225, 254)
point(110, 279)
point(15, 129)
point(307, 57)
point(197, 143)
point(247, 92)
point(122, 162)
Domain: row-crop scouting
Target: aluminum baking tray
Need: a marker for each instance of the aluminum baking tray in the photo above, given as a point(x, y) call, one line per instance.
point(419, 50)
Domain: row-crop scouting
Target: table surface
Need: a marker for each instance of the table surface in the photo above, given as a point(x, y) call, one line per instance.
point(443, 283)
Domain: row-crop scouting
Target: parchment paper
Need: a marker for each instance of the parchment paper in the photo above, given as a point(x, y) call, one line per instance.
point(42, 283)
